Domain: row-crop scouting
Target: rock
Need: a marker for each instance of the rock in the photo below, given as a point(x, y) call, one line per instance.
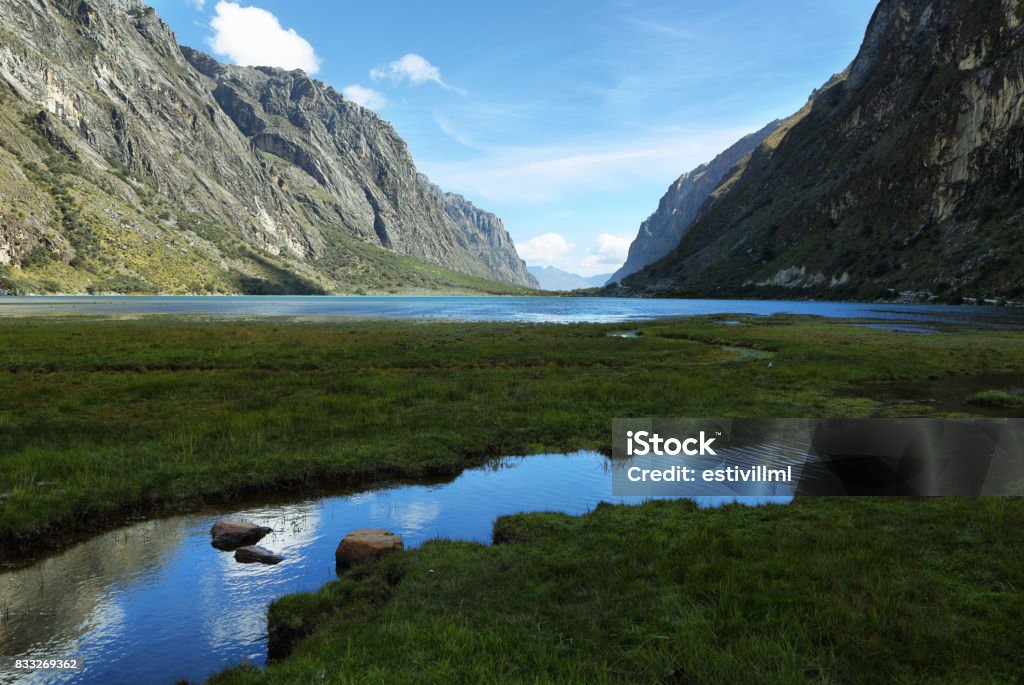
point(663, 229)
point(283, 163)
point(889, 179)
point(257, 555)
point(228, 535)
point(483, 235)
point(367, 544)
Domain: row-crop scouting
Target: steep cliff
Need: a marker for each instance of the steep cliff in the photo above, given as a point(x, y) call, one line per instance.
point(904, 175)
point(483, 236)
point(663, 230)
point(125, 166)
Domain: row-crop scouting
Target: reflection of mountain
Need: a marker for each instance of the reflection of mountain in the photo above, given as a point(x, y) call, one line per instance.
point(53, 602)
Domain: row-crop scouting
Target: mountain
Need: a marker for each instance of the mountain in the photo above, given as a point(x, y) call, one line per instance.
point(483, 236)
point(552, 278)
point(130, 164)
point(904, 175)
point(663, 230)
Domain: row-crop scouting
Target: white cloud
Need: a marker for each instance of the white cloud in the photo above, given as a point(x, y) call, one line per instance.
point(411, 68)
point(611, 250)
point(544, 175)
point(252, 36)
point(197, 4)
point(366, 97)
point(549, 248)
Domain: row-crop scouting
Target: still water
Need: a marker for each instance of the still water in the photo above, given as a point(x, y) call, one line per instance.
point(154, 602)
point(522, 309)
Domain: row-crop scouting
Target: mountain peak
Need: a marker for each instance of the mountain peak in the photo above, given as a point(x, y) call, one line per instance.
point(280, 170)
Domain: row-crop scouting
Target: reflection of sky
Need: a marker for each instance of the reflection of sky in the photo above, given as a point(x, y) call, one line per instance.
point(186, 610)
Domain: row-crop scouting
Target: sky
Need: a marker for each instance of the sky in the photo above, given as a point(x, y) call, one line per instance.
point(569, 119)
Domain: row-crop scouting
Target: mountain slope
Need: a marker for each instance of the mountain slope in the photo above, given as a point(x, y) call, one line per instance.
point(483, 236)
point(663, 230)
point(905, 175)
point(123, 168)
point(553, 278)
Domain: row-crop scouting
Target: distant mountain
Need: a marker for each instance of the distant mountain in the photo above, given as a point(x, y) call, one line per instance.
point(904, 175)
point(551, 278)
point(663, 230)
point(130, 164)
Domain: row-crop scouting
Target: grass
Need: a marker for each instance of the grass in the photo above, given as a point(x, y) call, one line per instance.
point(822, 591)
point(999, 399)
point(103, 419)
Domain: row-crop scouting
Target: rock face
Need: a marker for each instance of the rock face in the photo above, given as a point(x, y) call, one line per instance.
point(483, 236)
point(228, 534)
point(128, 161)
point(257, 555)
point(904, 175)
point(663, 229)
point(364, 545)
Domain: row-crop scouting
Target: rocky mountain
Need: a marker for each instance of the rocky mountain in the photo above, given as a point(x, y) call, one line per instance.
point(553, 278)
point(130, 164)
point(483, 236)
point(904, 175)
point(663, 229)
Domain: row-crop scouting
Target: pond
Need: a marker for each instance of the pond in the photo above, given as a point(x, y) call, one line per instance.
point(154, 602)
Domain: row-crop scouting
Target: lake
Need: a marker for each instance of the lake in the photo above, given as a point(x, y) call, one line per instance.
point(520, 309)
point(154, 602)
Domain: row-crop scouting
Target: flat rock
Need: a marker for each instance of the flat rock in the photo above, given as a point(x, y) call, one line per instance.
point(257, 555)
point(229, 535)
point(366, 544)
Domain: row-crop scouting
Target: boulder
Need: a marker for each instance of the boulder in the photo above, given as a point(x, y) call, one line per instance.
point(229, 535)
point(256, 555)
point(367, 544)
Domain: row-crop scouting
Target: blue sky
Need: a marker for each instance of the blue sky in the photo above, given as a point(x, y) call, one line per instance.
point(568, 118)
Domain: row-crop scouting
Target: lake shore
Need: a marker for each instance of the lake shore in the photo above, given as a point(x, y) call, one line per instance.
point(823, 590)
point(108, 419)
point(105, 420)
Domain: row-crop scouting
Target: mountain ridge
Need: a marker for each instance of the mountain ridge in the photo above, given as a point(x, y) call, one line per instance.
point(903, 178)
point(555, 279)
point(661, 231)
point(125, 168)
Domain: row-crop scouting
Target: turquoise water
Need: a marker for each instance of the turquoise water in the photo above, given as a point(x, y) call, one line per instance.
point(522, 309)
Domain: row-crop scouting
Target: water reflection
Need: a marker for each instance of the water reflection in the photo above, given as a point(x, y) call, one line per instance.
point(154, 602)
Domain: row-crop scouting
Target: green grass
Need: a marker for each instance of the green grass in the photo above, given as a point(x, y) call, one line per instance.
point(999, 399)
point(106, 418)
point(821, 591)
point(102, 419)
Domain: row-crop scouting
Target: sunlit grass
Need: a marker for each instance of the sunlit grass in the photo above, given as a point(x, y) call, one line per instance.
point(100, 419)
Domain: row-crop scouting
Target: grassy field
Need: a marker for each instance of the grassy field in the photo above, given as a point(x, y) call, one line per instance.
point(101, 419)
point(822, 591)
